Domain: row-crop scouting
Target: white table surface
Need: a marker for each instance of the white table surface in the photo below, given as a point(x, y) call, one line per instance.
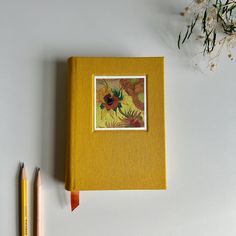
point(36, 38)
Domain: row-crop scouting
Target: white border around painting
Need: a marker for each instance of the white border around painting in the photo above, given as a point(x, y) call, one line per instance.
point(121, 77)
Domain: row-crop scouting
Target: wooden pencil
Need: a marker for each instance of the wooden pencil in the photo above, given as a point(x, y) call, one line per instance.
point(38, 204)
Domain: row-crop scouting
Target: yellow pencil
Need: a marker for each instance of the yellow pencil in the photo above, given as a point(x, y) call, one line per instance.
point(24, 203)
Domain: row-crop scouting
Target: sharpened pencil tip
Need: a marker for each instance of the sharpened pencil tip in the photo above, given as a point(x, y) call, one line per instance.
point(23, 171)
point(37, 176)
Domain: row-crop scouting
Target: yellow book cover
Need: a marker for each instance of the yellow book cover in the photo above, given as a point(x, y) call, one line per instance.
point(116, 129)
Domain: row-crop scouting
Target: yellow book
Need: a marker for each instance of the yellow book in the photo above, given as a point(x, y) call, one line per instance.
point(116, 131)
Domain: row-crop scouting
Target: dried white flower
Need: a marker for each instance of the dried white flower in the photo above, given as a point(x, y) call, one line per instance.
point(217, 23)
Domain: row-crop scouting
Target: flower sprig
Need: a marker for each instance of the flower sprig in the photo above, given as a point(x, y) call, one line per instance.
point(216, 20)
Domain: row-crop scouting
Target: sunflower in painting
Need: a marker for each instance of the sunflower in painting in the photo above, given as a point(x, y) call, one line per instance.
point(112, 101)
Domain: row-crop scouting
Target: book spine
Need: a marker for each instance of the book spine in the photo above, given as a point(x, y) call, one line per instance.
point(70, 144)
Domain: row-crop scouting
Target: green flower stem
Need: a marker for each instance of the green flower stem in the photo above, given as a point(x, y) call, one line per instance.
point(122, 113)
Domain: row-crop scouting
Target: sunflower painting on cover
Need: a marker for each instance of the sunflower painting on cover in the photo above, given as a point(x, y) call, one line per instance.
point(120, 102)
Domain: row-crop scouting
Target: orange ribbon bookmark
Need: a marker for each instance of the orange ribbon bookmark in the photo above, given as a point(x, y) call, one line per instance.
point(74, 200)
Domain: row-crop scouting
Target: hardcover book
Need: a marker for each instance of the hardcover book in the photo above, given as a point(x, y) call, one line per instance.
point(116, 130)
